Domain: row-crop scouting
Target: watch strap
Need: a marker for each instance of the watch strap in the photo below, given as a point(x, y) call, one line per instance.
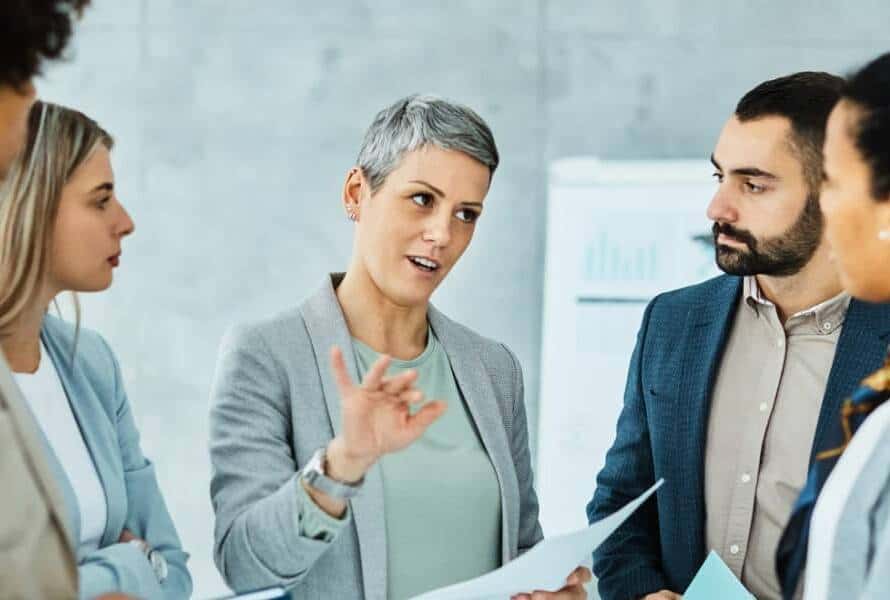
point(315, 474)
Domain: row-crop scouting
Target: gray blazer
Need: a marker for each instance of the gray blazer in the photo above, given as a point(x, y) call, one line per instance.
point(36, 552)
point(274, 402)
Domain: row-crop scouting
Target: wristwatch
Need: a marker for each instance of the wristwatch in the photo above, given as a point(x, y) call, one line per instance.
point(315, 474)
point(155, 559)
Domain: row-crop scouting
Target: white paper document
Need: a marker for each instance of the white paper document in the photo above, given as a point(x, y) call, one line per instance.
point(544, 567)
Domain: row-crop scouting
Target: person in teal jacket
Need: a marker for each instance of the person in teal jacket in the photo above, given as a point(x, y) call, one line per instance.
point(61, 227)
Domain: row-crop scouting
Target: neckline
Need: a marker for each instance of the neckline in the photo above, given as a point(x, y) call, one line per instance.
point(431, 344)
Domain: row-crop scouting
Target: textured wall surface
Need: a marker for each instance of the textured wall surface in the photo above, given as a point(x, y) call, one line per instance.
point(236, 121)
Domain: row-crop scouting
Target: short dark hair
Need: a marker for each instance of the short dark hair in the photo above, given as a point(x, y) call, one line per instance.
point(869, 91)
point(31, 31)
point(805, 99)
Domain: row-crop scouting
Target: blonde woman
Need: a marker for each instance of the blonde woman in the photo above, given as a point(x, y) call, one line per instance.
point(61, 228)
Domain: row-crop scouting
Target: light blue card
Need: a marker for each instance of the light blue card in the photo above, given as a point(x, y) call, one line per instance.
point(715, 580)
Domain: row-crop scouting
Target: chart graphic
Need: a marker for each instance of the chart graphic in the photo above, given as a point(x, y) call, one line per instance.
point(619, 233)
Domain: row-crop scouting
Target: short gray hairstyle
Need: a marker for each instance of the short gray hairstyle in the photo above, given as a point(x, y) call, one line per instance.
point(416, 121)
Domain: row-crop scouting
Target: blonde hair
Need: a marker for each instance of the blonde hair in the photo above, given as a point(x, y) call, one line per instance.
point(59, 140)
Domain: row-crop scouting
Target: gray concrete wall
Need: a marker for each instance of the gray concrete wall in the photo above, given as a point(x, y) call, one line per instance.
point(236, 121)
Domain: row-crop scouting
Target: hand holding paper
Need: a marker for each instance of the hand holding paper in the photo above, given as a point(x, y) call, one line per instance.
point(544, 567)
point(663, 595)
point(573, 589)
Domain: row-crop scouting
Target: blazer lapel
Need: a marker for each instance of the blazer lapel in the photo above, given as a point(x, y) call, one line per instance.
point(707, 327)
point(72, 506)
point(40, 455)
point(100, 440)
point(476, 388)
point(327, 328)
point(861, 349)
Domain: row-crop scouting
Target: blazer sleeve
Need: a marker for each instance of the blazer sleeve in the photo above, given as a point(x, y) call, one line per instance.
point(628, 563)
point(260, 538)
point(123, 567)
point(530, 532)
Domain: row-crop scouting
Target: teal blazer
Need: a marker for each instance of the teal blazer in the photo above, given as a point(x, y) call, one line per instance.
point(92, 381)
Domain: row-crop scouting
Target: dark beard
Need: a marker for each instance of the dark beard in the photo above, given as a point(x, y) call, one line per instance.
point(779, 256)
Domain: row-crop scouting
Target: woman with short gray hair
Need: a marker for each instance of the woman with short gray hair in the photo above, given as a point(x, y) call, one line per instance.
point(332, 473)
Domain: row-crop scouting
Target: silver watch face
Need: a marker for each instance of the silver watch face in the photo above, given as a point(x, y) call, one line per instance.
point(316, 462)
point(315, 475)
point(159, 564)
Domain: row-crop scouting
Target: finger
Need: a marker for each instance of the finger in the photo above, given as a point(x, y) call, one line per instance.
point(399, 383)
point(341, 376)
point(409, 396)
point(126, 536)
point(570, 592)
point(423, 418)
point(412, 396)
point(374, 376)
point(577, 592)
point(579, 576)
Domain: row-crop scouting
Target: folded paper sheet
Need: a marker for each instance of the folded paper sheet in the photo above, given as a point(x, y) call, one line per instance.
point(544, 567)
point(715, 580)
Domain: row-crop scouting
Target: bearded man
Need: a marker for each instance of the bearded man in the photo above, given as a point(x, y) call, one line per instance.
point(734, 381)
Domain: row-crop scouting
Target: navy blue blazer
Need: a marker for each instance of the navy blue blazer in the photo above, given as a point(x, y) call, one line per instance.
point(662, 430)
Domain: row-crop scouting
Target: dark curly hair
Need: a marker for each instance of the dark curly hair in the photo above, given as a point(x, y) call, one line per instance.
point(31, 31)
point(869, 91)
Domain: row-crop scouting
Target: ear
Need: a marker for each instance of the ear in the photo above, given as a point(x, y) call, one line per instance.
point(354, 190)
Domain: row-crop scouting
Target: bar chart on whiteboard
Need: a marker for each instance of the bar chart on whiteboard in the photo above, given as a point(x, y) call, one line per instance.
point(618, 234)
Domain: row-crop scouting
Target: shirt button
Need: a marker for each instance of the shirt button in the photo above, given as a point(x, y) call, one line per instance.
point(734, 549)
point(780, 342)
point(826, 326)
point(763, 406)
point(746, 478)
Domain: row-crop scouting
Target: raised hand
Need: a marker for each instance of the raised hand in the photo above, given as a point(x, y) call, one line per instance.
point(376, 419)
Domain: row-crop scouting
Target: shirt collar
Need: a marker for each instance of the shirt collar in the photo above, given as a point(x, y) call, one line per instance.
point(825, 317)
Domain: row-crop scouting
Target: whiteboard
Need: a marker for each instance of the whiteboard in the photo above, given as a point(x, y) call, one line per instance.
point(618, 233)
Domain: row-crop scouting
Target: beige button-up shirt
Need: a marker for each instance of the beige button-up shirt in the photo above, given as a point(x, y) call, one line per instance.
point(764, 409)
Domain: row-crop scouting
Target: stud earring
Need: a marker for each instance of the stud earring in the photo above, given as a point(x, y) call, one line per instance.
point(350, 214)
point(884, 235)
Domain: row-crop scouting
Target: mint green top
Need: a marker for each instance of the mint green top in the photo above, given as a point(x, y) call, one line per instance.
point(442, 501)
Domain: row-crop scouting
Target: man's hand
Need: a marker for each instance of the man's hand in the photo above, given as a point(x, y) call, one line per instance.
point(573, 590)
point(663, 595)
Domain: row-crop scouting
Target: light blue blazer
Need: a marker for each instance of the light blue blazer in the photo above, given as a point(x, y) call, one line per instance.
point(92, 381)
